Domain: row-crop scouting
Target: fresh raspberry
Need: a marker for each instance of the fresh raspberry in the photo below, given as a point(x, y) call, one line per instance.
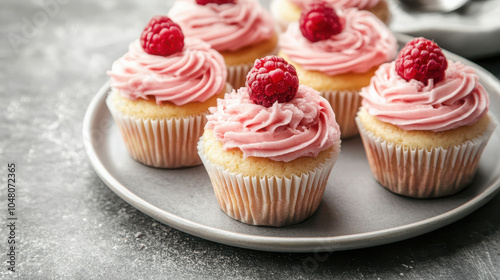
point(218, 2)
point(421, 59)
point(319, 22)
point(162, 36)
point(272, 79)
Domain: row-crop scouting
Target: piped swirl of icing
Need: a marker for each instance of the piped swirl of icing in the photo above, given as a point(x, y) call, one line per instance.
point(226, 27)
point(342, 4)
point(365, 42)
point(193, 75)
point(304, 126)
point(458, 100)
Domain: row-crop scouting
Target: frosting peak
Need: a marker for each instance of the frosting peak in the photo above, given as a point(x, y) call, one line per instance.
point(365, 42)
point(226, 27)
point(458, 100)
point(304, 126)
point(193, 75)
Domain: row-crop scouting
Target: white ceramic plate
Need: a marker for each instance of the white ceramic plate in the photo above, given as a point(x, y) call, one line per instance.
point(472, 31)
point(355, 212)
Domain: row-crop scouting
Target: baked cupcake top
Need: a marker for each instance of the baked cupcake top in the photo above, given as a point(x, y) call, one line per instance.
point(442, 95)
point(364, 42)
point(192, 72)
point(343, 4)
point(295, 125)
point(226, 27)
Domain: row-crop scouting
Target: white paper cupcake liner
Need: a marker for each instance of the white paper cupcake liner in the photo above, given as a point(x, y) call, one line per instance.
point(424, 173)
point(237, 74)
point(162, 143)
point(274, 8)
point(269, 201)
point(345, 104)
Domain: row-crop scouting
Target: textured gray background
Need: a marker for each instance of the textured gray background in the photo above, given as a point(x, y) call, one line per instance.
point(71, 226)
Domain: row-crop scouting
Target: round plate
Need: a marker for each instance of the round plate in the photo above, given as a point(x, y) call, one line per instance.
point(473, 31)
point(355, 212)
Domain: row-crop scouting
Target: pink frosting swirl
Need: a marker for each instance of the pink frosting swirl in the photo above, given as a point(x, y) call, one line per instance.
point(302, 127)
point(342, 4)
point(227, 27)
point(193, 75)
point(365, 42)
point(458, 100)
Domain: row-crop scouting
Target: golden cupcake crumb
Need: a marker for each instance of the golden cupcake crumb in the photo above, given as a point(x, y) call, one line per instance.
point(148, 109)
point(422, 138)
point(381, 10)
point(250, 53)
point(233, 161)
point(323, 82)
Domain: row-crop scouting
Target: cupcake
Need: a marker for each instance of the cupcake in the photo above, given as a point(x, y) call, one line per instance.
point(161, 90)
point(288, 11)
point(337, 54)
point(269, 147)
point(424, 122)
point(241, 30)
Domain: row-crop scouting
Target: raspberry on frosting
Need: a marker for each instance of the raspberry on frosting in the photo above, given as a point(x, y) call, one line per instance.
point(195, 74)
point(458, 100)
point(272, 79)
point(422, 60)
point(162, 36)
point(319, 22)
point(304, 126)
point(218, 2)
point(364, 43)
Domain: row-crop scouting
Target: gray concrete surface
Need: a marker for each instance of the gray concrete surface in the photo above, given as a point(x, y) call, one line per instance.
point(53, 58)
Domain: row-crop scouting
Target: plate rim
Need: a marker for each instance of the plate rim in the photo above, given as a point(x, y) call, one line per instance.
point(284, 244)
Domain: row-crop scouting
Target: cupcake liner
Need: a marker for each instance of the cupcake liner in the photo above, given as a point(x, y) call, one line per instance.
point(162, 143)
point(237, 74)
point(268, 201)
point(424, 173)
point(379, 11)
point(345, 104)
